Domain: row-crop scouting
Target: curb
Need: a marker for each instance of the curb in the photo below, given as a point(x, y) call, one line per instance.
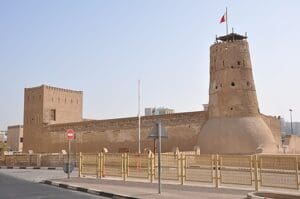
point(85, 190)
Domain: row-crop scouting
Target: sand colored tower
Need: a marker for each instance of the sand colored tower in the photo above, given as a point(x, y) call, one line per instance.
point(234, 124)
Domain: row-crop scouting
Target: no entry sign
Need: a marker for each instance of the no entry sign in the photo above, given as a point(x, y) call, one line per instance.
point(70, 134)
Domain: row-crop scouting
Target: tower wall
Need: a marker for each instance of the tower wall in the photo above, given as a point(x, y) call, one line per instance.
point(33, 117)
point(234, 125)
point(45, 105)
point(232, 90)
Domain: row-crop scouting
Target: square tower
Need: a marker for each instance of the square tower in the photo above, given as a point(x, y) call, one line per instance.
point(44, 105)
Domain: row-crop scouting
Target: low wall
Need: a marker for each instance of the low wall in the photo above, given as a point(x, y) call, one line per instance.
point(292, 144)
point(121, 135)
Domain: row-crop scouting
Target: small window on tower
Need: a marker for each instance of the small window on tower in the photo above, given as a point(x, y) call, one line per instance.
point(232, 84)
point(53, 114)
point(238, 63)
point(21, 140)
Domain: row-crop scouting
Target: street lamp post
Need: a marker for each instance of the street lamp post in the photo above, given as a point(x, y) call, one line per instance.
point(291, 115)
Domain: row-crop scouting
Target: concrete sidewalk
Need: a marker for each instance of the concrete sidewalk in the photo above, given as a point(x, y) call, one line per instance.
point(147, 190)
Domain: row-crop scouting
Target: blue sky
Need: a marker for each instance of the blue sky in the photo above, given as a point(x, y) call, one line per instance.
point(103, 47)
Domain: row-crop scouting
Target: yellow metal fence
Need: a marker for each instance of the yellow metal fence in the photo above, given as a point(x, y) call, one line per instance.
point(277, 171)
point(36, 160)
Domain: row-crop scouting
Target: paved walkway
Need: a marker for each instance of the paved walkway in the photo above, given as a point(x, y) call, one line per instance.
point(148, 190)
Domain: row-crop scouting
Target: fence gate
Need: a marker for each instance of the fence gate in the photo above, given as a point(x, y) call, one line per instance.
point(114, 165)
point(170, 167)
point(199, 168)
point(236, 169)
point(279, 171)
point(89, 164)
point(138, 166)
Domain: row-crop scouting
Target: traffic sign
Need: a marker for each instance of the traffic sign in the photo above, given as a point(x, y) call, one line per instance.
point(70, 134)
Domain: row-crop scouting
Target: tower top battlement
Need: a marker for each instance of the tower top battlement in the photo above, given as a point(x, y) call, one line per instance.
point(231, 37)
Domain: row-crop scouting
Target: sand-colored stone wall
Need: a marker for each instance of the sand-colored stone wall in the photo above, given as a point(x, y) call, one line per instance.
point(66, 103)
point(291, 144)
point(33, 117)
point(15, 138)
point(118, 134)
point(273, 123)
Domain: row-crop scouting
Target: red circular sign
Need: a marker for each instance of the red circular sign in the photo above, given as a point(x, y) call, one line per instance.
point(70, 134)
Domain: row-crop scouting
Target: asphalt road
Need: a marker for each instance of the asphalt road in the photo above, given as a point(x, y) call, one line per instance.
point(14, 188)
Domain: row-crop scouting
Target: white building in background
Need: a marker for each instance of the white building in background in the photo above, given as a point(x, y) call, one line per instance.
point(15, 138)
point(158, 111)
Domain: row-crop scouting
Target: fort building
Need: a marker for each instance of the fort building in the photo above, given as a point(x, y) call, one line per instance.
point(232, 122)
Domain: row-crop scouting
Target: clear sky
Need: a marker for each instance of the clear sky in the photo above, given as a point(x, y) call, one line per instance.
point(103, 47)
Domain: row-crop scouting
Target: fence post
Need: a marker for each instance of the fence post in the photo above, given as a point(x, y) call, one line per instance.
point(98, 163)
point(297, 176)
point(102, 164)
point(256, 172)
point(182, 167)
point(123, 162)
point(127, 165)
point(217, 170)
point(151, 167)
point(80, 165)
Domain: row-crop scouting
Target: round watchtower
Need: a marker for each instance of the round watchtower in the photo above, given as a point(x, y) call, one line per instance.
point(235, 125)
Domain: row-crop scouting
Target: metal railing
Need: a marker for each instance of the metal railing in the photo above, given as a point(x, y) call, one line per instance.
point(256, 171)
point(36, 160)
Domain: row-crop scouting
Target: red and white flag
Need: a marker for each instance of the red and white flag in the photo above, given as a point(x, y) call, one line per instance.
point(223, 18)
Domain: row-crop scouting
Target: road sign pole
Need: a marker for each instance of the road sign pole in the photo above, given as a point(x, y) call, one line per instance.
point(69, 165)
point(158, 132)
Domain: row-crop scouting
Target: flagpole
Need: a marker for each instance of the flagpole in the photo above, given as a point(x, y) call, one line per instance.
point(226, 22)
point(139, 115)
